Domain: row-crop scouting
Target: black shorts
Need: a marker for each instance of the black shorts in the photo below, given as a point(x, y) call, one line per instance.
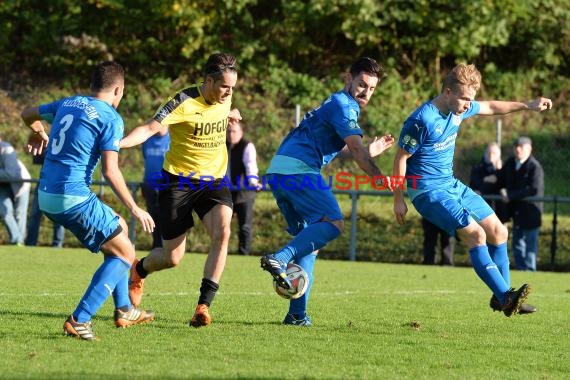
point(178, 200)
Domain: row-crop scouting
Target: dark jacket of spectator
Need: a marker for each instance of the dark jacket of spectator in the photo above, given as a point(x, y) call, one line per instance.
point(527, 181)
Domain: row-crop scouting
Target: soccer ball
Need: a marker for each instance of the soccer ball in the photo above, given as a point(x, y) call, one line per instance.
point(299, 279)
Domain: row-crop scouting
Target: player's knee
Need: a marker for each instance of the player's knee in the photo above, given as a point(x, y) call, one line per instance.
point(173, 261)
point(119, 246)
point(168, 257)
point(221, 234)
point(497, 233)
point(472, 236)
point(502, 233)
point(478, 235)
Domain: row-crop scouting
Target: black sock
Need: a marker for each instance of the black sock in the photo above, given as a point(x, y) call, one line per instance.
point(140, 269)
point(207, 292)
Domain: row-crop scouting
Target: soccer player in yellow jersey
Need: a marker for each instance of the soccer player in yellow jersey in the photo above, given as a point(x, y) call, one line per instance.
point(192, 178)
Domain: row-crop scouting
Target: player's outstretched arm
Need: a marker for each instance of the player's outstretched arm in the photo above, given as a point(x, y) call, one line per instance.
point(113, 175)
point(499, 107)
point(375, 148)
point(360, 154)
point(398, 183)
point(140, 134)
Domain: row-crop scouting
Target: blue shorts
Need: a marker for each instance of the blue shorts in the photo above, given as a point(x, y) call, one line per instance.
point(453, 208)
point(91, 221)
point(303, 199)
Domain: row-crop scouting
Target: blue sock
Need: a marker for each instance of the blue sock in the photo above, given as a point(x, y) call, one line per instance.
point(500, 256)
point(121, 293)
point(487, 271)
point(299, 306)
point(101, 287)
point(310, 239)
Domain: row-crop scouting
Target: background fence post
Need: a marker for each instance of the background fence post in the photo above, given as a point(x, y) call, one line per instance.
point(353, 220)
point(553, 242)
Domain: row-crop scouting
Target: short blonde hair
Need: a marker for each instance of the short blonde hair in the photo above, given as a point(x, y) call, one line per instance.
point(490, 146)
point(463, 75)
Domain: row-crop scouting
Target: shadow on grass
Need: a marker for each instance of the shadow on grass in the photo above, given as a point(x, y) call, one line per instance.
point(41, 314)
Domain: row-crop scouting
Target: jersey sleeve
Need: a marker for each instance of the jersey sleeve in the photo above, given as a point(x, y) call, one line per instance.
point(112, 135)
point(171, 111)
point(412, 136)
point(47, 111)
point(343, 118)
point(473, 110)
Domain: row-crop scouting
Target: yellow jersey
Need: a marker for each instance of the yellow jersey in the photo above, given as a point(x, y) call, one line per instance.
point(197, 134)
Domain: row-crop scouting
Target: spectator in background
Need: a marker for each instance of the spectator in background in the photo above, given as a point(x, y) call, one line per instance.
point(484, 179)
point(14, 194)
point(243, 173)
point(36, 214)
point(153, 151)
point(446, 243)
point(522, 176)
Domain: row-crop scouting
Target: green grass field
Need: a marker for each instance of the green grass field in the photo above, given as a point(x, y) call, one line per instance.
point(371, 321)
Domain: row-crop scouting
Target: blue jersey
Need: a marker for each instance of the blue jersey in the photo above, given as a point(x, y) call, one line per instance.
point(153, 151)
point(81, 128)
point(319, 137)
point(429, 136)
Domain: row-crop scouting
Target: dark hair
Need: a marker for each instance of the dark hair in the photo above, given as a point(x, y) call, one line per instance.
point(106, 75)
point(219, 63)
point(369, 66)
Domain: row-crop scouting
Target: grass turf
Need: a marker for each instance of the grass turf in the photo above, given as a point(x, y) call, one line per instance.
point(371, 321)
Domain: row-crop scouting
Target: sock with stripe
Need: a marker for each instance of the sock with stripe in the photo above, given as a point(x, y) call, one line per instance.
point(299, 306)
point(121, 294)
point(310, 239)
point(101, 287)
point(500, 256)
point(487, 271)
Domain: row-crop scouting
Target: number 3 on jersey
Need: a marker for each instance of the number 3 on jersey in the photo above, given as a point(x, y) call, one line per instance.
point(57, 143)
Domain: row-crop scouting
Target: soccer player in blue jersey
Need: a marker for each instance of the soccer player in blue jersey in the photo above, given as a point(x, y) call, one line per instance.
point(310, 208)
point(84, 130)
point(426, 148)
